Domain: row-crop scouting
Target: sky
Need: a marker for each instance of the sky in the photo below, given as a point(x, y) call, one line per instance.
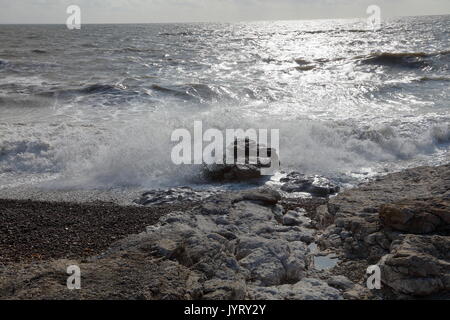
point(155, 11)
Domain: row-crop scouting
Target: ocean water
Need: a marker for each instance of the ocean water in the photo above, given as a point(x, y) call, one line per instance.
point(95, 108)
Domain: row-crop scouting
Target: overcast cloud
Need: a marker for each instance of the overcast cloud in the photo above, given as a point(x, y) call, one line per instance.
point(147, 11)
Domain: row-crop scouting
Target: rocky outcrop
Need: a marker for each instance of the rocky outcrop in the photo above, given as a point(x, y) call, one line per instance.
point(379, 221)
point(296, 218)
point(417, 215)
point(351, 220)
point(316, 185)
point(418, 265)
point(250, 158)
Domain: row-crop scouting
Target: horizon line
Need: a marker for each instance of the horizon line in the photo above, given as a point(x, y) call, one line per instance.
point(228, 21)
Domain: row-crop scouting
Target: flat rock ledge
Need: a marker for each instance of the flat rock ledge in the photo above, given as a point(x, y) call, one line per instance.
point(400, 222)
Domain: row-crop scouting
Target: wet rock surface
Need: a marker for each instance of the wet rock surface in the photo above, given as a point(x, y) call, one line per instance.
point(250, 161)
point(315, 185)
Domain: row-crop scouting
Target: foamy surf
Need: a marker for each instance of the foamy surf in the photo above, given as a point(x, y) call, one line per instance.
point(121, 154)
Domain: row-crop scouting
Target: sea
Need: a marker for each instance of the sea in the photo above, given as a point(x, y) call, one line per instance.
point(96, 107)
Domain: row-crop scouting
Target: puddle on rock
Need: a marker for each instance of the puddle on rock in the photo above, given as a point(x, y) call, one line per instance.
point(322, 261)
point(325, 262)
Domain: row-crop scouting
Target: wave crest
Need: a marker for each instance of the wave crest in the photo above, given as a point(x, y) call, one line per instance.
point(411, 60)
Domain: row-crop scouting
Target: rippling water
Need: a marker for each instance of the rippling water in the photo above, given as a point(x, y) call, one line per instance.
point(96, 107)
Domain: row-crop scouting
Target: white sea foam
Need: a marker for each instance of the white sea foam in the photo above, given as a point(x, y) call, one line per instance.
point(137, 153)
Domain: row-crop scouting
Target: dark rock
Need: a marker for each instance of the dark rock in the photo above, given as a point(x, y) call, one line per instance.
point(246, 166)
point(417, 216)
point(296, 218)
point(229, 172)
point(340, 282)
point(173, 195)
point(216, 289)
point(316, 185)
point(265, 195)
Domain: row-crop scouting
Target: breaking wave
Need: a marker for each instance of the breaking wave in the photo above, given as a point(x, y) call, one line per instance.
point(138, 154)
point(412, 60)
point(88, 90)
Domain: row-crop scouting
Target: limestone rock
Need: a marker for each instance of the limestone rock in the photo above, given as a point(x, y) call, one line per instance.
point(306, 289)
point(417, 216)
point(223, 290)
point(418, 265)
point(296, 218)
point(270, 262)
